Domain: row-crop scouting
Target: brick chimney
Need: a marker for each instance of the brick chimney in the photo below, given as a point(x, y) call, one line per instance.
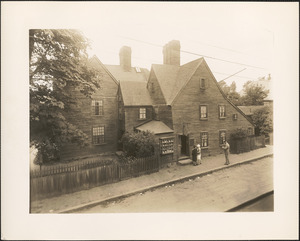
point(125, 58)
point(171, 52)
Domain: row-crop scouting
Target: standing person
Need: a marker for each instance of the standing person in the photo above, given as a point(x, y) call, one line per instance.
point(194, 156)
point(198, 154)
point(226, 147)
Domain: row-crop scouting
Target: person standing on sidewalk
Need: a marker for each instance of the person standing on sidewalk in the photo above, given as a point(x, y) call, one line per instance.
point(226, 147)
point(194, 156)
point(198, 154)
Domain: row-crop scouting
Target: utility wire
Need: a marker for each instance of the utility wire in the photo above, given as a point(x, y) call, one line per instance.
point(233, 74)
point(201, 55)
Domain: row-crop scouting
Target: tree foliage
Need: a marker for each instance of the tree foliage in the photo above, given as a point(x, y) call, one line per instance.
point(263, 120)
point(254, 94)
point(238, 133)
point(230, 92)
point(59, 66)
point(139, 144)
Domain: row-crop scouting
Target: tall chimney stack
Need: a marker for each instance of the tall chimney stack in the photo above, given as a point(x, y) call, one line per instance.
point(125, 58)
point(171, 53)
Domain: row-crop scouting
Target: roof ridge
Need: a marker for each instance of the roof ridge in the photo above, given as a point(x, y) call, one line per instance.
point(188, 79)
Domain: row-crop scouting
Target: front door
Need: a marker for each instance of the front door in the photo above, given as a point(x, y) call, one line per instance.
point(184, 145)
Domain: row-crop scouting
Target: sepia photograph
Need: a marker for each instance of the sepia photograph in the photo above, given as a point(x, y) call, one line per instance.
point(152, 108)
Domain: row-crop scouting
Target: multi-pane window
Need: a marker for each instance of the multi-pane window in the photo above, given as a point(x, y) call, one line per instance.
point(142, 114)
point(204, 139)
point(222, 112)
point(222, 136)
point(97, 107)
point(98, 135)
point(203, 112)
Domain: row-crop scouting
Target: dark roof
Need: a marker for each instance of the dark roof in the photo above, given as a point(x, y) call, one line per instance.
point(135, 93)
point(120, 74)
point(173, 78)
point(157, 127)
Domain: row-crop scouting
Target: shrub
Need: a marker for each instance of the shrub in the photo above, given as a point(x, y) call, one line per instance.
point(238, 133)
point(139, 144)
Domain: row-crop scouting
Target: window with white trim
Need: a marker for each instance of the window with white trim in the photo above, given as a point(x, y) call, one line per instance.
point(98, 135)
point(203, 112)
point(142, 113)
point(204, 139)
point(222, 111)
point(97, 107)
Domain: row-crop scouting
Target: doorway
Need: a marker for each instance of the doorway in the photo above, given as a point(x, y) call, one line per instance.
point(184, 145)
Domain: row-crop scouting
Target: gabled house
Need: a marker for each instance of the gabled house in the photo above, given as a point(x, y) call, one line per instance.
point(181, 104)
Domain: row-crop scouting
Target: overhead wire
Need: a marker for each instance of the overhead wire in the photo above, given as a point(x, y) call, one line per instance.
point(201, 55)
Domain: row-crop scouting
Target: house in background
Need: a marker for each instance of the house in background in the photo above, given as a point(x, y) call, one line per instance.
point(181, 104)
point(266, 83)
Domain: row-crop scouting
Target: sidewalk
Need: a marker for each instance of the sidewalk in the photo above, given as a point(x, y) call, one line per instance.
point(88, 198)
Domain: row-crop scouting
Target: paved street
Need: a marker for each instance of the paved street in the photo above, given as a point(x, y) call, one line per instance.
point(214, 192)
point(75, 201)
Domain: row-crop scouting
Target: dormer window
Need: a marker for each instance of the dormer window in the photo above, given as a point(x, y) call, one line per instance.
point(138, 70)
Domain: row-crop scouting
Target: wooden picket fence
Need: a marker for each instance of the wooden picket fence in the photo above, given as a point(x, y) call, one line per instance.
point(247, 144)
point(54, 181)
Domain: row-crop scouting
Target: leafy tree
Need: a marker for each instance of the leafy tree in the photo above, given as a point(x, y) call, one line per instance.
point(254, 94)
point(238, 134)
point(263, 120)
point(139, 144)
point(230, 92)
point(59, 67)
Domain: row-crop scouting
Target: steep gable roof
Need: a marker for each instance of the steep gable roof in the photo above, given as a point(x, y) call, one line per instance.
point(120, 74)
point(172, 78)
point(95, 61)
point(135, 93)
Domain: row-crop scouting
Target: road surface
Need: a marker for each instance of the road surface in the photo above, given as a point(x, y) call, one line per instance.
point(219, 191)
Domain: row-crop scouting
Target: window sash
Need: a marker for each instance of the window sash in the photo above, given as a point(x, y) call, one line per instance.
point(97, 107)
point(203, 111)
point(222, 136)
point(98, 135)
point(204, 139)
point(142, 113)
point(222, 111)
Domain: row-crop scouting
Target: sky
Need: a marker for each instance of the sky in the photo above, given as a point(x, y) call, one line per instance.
point(235, 39)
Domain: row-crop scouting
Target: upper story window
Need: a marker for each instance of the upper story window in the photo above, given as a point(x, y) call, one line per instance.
point(142, 113)
point(98, 135)
point(203, 83)
point(204, 139)
point(235, 116)
point(203, 112)
point(97, 107)
point(222, 111)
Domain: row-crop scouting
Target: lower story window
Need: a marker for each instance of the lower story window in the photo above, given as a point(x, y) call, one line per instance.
point(98, 135)
point(222, 136)
point(204, 139)
point(250, 131)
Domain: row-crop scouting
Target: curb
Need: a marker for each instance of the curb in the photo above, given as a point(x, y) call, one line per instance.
point(181, 179)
